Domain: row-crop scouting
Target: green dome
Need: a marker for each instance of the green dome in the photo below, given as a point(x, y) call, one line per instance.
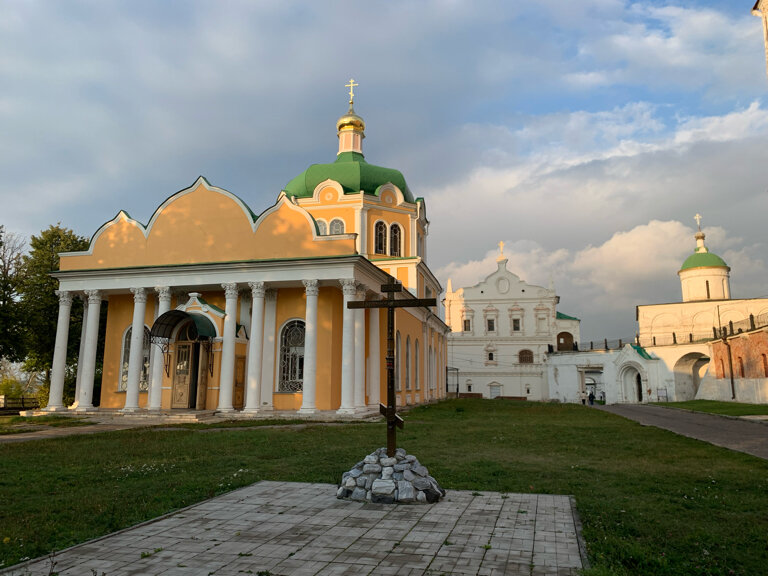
point(353, 173)
point(703, 260)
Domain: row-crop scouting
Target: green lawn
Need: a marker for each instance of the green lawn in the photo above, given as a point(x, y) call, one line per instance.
point(651, 502)
point(716, 407)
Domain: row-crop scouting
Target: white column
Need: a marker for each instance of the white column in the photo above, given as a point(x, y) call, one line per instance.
point(59, 368)
point(227, 374)
point(374, 358)
point(348, 350)
point(85, 402)
point(136, 354)
point(79, 377)
point(268, 356)
point(424, 354)
point(156, 360)
point(360, 354)
point(310, 348)
point(255, 347)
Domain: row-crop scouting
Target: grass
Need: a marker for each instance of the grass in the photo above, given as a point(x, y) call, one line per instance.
point(651, 502)
point(19, 424)
point(716, 407)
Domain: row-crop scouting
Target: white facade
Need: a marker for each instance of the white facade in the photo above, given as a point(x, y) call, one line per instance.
point(629, 375)
point(680, 333)
point(501, 331)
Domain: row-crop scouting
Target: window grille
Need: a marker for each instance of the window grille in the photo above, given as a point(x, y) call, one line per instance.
point(526, 357)
point(122, 386)
point(337, 226)
point(380, 238)
point(394, 240)
point(292, 357)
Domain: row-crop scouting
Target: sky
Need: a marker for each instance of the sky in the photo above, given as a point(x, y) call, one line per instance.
point(585, 135)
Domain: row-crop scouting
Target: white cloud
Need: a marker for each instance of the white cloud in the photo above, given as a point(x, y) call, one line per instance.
point(606, 281)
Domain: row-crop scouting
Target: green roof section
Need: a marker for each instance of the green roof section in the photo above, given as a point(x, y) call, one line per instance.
point(642, 352)
point(352, 172)
point(561, 316)
point(703, 260)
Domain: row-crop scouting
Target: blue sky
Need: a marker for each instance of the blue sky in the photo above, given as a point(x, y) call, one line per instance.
point(584, 135)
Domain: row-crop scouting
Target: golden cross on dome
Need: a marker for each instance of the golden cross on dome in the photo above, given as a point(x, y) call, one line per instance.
point(351, 87)
point(501, 248)
point(698, 221)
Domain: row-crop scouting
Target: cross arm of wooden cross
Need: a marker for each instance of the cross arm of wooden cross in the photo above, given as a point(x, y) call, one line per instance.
point(391, 415)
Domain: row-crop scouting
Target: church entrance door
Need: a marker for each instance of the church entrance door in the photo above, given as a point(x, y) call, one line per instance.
point(184, 393)
point(639, 384)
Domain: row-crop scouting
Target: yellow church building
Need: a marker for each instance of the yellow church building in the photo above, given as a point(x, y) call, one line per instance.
point(214, 307)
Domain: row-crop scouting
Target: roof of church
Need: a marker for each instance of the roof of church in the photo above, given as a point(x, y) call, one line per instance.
point(703, 260)
point(641, 351)
point(561, 316)
point(353, 173)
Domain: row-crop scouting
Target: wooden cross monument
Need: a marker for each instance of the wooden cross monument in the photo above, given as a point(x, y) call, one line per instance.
point(390, 410)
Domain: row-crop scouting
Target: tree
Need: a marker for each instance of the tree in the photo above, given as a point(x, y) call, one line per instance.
point(12, 341)
point(40, 304)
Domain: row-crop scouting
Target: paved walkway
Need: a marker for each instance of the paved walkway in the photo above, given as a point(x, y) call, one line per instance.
point(737, 434)
point(301, 529)
point(57, 432)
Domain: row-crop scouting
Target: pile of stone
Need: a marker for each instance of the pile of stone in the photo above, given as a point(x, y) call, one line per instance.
point(380, 479)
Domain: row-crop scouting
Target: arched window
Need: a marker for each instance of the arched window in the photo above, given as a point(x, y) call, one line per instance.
point(741, 367)
point(397, 361)
point(380, 238)
point(122, 386)
point(431, 368)
point(490, 356)
point(408, 363)
point(765, 365)
point(337, 226)
point(417, 363)
point(322, 227)
point(526, 357)
point(292, 357)
point(395, 235)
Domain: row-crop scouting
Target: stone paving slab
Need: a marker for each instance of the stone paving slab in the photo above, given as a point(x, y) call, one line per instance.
point(300, 529)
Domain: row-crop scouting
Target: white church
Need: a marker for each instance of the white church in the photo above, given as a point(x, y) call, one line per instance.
point(501, 331)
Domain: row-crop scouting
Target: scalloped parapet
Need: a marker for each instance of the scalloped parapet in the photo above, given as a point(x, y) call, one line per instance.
point(205, 224)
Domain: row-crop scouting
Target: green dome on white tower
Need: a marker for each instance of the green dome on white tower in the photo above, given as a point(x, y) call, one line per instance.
point(704, 275)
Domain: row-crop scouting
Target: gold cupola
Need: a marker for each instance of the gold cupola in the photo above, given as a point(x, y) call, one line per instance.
point(351, 127)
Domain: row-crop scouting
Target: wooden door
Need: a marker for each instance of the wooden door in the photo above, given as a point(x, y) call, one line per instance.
point(202, 377)
point(238, 400)
point(180, 391)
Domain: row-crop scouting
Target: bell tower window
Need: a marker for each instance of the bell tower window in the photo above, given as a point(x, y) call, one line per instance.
point(395, 239)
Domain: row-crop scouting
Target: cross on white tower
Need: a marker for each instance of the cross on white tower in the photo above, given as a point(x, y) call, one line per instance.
point(698, 221)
